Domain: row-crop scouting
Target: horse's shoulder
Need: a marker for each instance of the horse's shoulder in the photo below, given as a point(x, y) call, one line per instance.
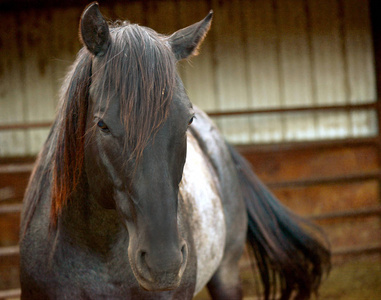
point(201, 198)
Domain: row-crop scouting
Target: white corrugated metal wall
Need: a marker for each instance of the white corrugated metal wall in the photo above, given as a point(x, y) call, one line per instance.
point(258, 55)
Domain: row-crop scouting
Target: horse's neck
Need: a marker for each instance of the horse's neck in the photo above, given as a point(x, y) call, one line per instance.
point(86, 222)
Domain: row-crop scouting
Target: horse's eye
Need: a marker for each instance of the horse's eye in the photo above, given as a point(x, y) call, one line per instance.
point(102, 125)
point(190, 121)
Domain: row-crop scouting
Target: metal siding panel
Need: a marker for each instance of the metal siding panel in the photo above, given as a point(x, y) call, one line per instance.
point(198, 72)
point(11, 87)
point(37, 36)
point(359, 48)
point(161, 16)
point(329, 67)
point(295, 68)
point(262, 42)
point(132, 11)
point(295, 60)
point(360, 61)
point(327, 51)
point(364, 123)
point(231, 69)
point(259, 54)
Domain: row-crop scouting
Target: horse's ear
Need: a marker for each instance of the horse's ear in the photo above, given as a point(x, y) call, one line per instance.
point(185, 42)
point(94, 31)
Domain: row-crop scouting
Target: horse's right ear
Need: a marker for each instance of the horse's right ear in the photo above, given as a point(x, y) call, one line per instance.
point(94, 31)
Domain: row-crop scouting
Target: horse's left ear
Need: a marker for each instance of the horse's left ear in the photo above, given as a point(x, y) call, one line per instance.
point(94, 31)
point(185, 42)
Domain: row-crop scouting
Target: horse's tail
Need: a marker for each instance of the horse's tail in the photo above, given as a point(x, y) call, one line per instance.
point(291, 259)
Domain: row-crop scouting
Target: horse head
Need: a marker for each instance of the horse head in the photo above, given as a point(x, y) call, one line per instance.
point(135, 145)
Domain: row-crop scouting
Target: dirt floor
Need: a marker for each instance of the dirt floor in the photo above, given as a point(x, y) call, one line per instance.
point(359, 279)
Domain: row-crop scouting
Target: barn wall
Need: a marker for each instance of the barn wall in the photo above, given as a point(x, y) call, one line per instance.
point(37, 47)
point(258, 55)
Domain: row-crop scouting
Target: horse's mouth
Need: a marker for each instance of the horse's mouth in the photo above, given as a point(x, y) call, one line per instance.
point(159, 285)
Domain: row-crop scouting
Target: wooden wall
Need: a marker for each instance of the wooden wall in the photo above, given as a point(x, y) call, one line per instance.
point(336, 184)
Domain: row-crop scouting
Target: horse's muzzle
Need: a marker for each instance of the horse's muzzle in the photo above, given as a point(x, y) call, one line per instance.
point(161, 270)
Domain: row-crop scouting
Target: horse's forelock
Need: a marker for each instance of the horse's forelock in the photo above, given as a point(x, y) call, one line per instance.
point(141, 70)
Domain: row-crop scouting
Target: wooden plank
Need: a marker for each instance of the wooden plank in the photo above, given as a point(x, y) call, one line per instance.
point(10, 294)
point(327, 180)
point(9, 269)
point(10, 168)
point(294, 164)
point(329, 198)
point(305, 145)
point(10, 226)
point(9, 251)
point(353, 213)
point(353, 231)
point(17, 126)
point(10, 208)
point(359, 250)
point(12, 185)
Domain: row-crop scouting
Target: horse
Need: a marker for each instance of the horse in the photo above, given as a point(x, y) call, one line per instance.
point(135, 193)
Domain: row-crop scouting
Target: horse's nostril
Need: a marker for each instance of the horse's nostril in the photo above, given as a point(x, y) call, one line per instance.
point(142, 257)
point(184, 252)
point(159, 263)
point(142, 264)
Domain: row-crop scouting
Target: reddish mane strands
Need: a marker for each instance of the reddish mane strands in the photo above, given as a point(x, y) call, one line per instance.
point(69, 151)
point(139, 71)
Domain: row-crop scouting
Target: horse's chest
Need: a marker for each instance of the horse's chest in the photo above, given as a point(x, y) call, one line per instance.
point(203, 204)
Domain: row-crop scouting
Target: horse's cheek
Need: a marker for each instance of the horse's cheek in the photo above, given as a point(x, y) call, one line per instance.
point(97, 174)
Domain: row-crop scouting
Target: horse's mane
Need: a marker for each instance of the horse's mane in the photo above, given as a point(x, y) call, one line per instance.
point(139, 69)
